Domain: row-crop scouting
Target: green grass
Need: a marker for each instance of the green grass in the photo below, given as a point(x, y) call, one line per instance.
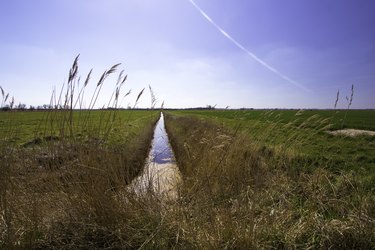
point(272, 182)
point(20, 127)
point(357, 119)
point(303, 133)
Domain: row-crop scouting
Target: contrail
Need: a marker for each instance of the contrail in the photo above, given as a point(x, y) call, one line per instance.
point(252, 55)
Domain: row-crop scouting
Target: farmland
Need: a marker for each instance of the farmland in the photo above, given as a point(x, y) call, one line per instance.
point(21, 127)
point(276, 179)
point(357, 119)
point(254, 179)
point(304, 133)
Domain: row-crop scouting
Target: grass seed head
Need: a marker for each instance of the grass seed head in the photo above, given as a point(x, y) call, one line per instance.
point(88, 78)
point(139, 95)
point(113, 69)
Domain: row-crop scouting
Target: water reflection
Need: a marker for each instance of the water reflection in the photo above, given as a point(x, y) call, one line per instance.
point(160, 175)
point(161, 151)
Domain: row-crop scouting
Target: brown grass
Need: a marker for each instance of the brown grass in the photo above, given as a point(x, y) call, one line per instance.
point(70, 191)
point(238, 193)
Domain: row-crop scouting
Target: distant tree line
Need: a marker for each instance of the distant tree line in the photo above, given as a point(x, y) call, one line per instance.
point(23, 107)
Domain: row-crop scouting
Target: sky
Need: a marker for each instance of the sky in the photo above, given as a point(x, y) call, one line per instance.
point(194, 53)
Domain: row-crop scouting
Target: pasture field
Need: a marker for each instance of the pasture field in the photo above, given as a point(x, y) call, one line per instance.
point(262, 179)
point(304, 133)
point(20, 127)
point(339, 119)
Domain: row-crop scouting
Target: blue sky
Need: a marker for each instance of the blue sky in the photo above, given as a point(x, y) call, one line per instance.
point(277, 54)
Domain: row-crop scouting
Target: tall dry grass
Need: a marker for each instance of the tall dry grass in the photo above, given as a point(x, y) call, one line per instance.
point(241, 193)
point(68, 187)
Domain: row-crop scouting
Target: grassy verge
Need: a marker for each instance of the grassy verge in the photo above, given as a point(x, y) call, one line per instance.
point(243, 189)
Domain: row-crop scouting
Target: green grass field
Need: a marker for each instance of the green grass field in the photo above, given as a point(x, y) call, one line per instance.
point(275, 179)
point(20, 127)
point(304, 133)
point(357, 119)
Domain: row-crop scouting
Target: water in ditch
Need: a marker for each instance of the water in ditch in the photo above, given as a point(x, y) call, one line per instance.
point(160, 175)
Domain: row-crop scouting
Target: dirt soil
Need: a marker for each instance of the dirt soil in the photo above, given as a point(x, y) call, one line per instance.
point(352, 132)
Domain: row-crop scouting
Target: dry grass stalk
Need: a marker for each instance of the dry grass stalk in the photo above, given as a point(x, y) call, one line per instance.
point(337, 98)
point(153, 98)
point(70, 191)
point(139, 96)
point(261, 197)
point(349, 100)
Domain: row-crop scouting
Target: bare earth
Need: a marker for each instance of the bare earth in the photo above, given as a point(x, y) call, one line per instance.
point(352, 132)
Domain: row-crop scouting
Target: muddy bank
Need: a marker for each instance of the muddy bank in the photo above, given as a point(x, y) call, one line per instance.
point(352, 132)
